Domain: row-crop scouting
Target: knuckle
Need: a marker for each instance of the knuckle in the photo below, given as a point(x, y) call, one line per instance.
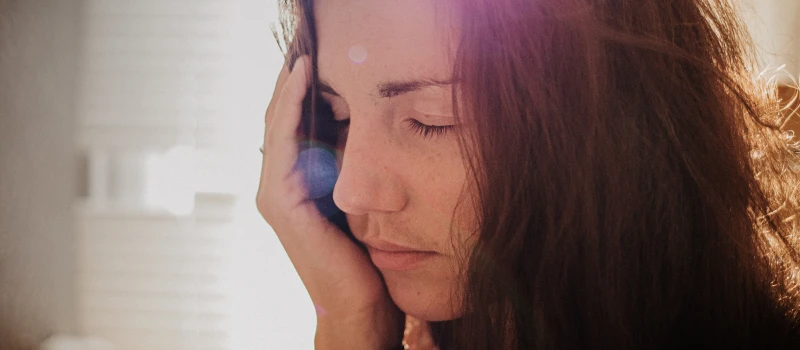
point(264, 207)
point(268, 113)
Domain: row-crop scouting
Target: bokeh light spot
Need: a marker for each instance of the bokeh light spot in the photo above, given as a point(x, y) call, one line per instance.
point(318, 166)
point(357, 54)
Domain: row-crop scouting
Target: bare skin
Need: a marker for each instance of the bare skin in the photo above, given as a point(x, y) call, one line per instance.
point(402, 175)
point(355, 309)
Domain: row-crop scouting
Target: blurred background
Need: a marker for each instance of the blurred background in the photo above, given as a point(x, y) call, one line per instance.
point(129, 163)
point(129, 135)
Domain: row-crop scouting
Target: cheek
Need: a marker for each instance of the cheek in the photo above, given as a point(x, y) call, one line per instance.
point(467, 222)
point(445, 199)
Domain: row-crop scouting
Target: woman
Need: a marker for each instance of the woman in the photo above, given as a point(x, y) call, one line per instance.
point(534, 174)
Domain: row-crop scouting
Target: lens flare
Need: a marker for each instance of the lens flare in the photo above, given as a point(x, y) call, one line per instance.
point(318, 167)
point(357, 54)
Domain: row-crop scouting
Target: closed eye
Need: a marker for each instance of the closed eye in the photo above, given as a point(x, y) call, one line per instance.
point(429, 131)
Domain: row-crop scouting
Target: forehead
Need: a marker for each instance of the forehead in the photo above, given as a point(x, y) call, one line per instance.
point(368, 41)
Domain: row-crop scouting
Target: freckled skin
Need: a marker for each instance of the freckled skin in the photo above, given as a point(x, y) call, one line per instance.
point(396, 185)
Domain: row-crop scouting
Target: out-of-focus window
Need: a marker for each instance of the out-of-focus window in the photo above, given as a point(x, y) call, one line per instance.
point(172, 253)
point(775, 27)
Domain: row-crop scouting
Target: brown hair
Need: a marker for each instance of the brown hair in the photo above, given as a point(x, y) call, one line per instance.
point(635, 189)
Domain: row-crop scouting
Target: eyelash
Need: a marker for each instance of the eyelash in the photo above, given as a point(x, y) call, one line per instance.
point(423, 130)
point(429, 131)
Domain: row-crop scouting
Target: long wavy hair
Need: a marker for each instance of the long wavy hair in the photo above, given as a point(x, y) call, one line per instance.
point(635, 189)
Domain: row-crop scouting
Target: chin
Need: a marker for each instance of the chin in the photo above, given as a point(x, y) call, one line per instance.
point(428, 300)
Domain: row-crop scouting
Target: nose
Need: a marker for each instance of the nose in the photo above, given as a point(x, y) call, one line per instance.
point(369, 180)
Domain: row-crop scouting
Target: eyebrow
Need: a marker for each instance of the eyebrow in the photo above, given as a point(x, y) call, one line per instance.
point(392, 88)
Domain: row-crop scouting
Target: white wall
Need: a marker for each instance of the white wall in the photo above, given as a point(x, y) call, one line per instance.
point(775, 25)
point(38, 46)
point(186, 83)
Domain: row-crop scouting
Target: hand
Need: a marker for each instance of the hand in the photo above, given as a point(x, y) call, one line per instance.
point(354, 309)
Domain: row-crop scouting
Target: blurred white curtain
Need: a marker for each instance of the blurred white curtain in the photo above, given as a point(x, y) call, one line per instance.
point(172, 253)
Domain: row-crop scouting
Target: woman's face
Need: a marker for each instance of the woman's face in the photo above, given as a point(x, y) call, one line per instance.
point(387, 67)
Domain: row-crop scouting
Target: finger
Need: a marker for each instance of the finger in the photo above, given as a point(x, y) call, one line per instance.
point(282, 135)
point(280, 87)
point(281, 81)
point(268, 115)
point(283, 76)
point(280, 151)
point(292, 93)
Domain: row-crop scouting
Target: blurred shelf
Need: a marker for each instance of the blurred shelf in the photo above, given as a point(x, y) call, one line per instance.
point(208, 207)
point(152, 137)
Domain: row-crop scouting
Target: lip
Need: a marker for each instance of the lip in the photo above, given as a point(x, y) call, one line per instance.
point(395, 257)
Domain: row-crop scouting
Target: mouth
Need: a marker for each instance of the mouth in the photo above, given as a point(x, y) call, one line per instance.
point(389, 256)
